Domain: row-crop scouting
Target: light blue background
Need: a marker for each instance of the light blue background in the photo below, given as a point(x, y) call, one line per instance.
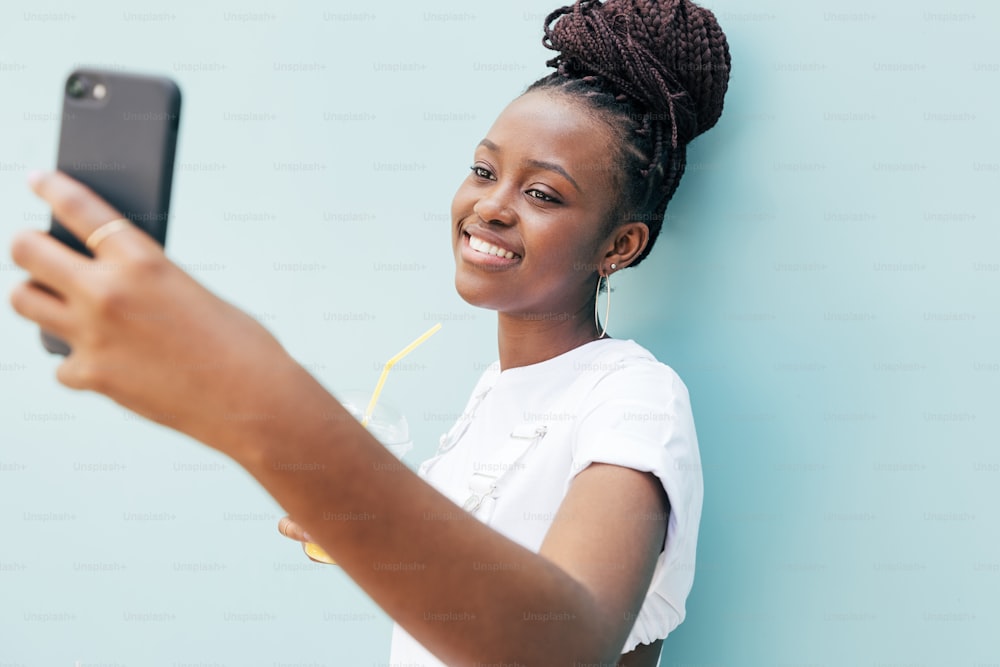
point(826, 285)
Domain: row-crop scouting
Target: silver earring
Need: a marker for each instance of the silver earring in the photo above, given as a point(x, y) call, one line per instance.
point(607, 308)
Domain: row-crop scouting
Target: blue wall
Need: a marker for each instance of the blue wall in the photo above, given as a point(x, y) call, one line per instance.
point(826, 285)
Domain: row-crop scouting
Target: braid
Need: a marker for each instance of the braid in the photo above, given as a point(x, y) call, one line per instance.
point(656, 71)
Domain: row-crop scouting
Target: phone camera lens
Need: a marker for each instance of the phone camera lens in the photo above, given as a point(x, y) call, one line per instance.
point(77, 86)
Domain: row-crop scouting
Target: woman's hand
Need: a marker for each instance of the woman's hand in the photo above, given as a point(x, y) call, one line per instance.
point(142, 331)
point(292, 530)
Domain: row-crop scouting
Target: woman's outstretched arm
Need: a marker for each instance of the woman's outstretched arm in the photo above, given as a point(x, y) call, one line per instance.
point(465, 591)
point(146, 334)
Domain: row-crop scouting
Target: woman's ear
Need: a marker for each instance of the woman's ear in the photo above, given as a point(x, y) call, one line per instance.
point(628, 241)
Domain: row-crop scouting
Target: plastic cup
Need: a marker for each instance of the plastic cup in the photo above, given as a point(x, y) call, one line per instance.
point(388, 426)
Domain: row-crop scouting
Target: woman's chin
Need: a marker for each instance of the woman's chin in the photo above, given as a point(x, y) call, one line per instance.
point(474, 293)
point(471, 297)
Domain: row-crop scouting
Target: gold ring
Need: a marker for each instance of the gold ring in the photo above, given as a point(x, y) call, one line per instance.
point(106, 230)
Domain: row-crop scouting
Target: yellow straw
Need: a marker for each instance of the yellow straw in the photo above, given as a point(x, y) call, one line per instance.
point(389, 364)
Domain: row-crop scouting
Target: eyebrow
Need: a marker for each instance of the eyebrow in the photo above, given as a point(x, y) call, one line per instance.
point(539, 164)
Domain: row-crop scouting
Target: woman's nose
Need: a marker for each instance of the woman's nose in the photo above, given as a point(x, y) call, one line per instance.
point(494, 206)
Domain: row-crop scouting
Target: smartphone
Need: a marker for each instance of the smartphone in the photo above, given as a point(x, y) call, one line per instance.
point(118, 136)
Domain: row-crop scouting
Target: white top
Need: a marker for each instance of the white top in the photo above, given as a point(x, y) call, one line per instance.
point(607, 401)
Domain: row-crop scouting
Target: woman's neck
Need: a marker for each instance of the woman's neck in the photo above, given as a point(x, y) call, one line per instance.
point(524, 340)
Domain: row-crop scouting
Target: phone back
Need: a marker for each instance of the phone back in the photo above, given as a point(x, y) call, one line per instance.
point(122, 147)
point(121, 144)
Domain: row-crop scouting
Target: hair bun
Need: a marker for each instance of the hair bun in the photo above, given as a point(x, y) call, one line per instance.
point(666, 56)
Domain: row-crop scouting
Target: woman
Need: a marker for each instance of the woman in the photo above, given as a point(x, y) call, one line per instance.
point(576, 456)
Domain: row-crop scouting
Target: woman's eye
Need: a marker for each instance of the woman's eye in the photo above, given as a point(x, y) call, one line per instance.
point(541, 195)
point(481, 172)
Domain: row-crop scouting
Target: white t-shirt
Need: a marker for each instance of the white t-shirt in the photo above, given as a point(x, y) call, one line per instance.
point(607, 401)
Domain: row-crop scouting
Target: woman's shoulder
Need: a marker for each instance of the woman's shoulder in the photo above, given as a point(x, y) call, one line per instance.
point(630, 366)
point(620, 366)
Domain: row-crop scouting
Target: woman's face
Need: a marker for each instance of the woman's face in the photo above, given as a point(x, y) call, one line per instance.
point(528, 220)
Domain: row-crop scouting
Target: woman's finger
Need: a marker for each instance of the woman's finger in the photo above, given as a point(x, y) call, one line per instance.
point(292, 530)
point(50, 262)
point(37, 303)
point(80, 210)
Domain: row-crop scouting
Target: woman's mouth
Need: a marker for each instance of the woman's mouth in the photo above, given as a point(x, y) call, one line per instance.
point(488, 248)
point(482, 252)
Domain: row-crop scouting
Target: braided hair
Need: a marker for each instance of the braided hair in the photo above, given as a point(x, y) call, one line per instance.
point(656, 72)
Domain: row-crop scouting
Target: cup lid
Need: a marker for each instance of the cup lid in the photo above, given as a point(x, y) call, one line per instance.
point(387, 424)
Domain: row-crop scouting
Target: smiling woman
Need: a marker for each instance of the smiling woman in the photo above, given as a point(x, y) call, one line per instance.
point(520, 197)
point(557, 524)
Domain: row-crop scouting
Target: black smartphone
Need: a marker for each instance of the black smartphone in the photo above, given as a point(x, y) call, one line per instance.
point(118, 136)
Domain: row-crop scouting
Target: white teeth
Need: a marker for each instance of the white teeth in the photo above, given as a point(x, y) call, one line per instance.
point(488, 248)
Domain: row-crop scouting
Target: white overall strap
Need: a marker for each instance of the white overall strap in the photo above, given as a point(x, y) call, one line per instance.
point(485, 481)
point(488, 480)
point(450, 438)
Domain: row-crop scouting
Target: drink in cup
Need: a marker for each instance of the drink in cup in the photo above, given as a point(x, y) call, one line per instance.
point(384, 422)
point(388, 426)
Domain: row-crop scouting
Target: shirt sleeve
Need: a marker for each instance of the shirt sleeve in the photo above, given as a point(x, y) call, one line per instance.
point(639, 416)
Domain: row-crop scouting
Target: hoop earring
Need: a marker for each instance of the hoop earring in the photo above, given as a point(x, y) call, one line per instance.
point(607, 308)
